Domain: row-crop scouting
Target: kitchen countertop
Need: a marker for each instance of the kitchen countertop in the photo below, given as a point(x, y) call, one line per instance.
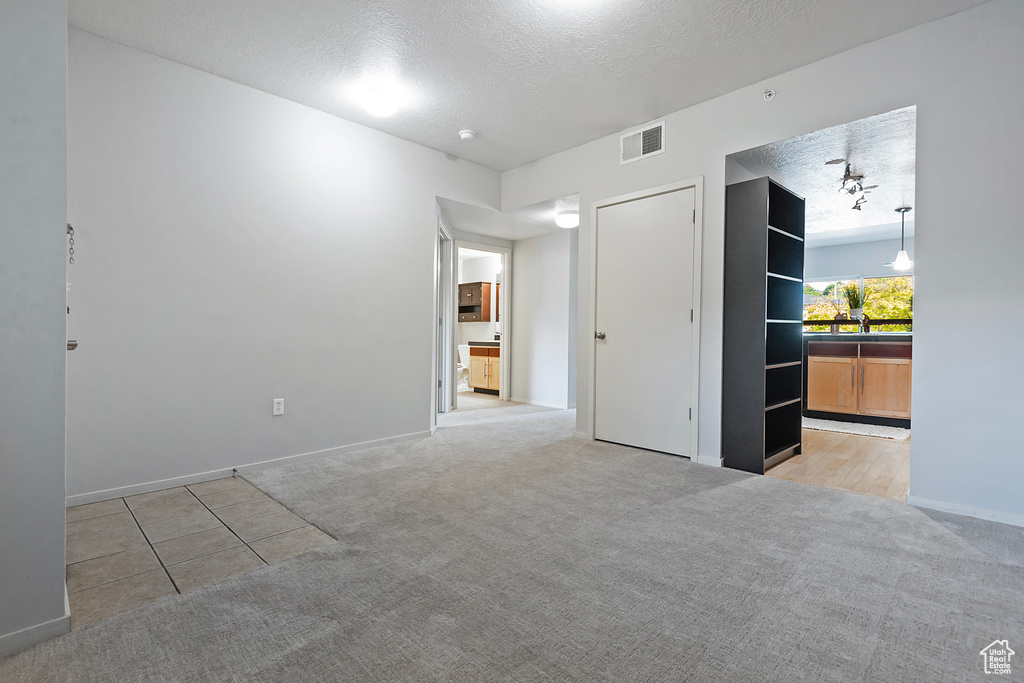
point(485, 343)
point(859, 337)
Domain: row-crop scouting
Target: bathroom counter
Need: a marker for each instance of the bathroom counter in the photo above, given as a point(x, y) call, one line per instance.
point(494, 344)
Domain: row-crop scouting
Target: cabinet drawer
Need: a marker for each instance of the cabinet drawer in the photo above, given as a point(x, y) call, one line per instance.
point(479, 351)
point(494, 352)
point(469, 317)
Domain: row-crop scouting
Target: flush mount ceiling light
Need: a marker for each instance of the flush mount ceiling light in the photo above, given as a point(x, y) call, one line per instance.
point(381, 96)
point(902, 261)
point(467, 134)
point(567, 219)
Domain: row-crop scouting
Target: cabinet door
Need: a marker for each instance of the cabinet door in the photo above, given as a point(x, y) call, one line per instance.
point(493, 373)
point(885, 387)
point(478, 371)
point(832, 384)
point(469, 294)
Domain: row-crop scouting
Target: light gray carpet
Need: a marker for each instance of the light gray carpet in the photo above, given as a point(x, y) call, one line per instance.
point(501, 549)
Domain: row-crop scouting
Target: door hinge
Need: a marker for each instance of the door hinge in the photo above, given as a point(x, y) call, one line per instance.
point(691, 315)
point(691, 414)
point(438, 384)
point(440, 321)
point(695, 216)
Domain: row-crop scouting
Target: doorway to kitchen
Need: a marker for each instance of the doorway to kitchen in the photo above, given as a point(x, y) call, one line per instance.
point(850, 404)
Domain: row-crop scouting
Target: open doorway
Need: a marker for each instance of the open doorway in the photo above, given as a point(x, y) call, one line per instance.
point(480, 273)
point(523, 347)
point(857, 182)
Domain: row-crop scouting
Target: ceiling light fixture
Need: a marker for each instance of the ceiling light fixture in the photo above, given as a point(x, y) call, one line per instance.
point(902, 261)
point(851, 185)
point(567, 219)
point(467, 134)
point(380, 97)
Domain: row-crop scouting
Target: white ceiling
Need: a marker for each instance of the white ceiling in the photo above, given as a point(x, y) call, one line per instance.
point(881, 148)
point(531, 77)
point(521, 223)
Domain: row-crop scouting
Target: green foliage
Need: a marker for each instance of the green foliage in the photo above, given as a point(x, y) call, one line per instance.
point(888, 297)
point(852, 294)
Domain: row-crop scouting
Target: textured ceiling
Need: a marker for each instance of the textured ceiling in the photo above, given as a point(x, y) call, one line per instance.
point(531, 77)
point(881, 148)
point(522, 223)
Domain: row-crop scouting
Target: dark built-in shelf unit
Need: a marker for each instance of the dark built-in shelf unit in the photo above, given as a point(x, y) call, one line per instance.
point(762, 370)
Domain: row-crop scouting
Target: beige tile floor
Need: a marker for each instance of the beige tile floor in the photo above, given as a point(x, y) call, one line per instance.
point(867, 465)
point(124, 553)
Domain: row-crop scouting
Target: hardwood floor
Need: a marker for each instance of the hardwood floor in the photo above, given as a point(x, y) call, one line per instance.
point(849, 462)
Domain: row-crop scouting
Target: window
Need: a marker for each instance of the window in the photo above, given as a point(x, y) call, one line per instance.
point(889, 297)
point(823, 300)
point(884, 297)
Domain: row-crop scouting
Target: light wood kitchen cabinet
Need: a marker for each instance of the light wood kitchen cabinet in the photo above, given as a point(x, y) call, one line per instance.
point(832, 384)
point(867, 378)
point(885, 387)
point(484, 368)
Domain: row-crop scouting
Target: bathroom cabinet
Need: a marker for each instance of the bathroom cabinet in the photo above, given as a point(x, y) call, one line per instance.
point(475, 302)
point(485, 368)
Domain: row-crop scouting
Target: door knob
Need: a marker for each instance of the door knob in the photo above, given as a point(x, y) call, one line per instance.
point(599, 335)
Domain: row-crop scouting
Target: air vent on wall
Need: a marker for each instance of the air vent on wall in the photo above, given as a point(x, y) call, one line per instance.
point(642, 143)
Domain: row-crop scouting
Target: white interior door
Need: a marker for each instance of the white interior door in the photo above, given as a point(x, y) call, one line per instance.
point(643, 364)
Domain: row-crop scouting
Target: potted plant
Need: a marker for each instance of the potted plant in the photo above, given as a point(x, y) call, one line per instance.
point(853, 297)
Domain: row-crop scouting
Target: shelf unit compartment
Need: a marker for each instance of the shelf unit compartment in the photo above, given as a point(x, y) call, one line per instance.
point(785, 299)
point(783, 384)
point(782, 429)
point(783, 343)
point(785, 210)
point(785, 255)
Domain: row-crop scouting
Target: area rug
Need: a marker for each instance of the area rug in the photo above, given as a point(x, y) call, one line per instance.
point(895, 433)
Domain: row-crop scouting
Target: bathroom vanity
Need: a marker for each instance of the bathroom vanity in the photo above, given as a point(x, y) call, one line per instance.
point(485, 366)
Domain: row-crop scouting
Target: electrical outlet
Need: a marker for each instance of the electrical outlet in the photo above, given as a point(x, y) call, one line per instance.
point(278, 406)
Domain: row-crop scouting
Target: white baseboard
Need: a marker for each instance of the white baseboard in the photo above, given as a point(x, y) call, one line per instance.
point(146, 487)
point(289, 459)
point(33, 635)
point(122, 491)
point(708, 460)
point(537, 403)
point(966, 510)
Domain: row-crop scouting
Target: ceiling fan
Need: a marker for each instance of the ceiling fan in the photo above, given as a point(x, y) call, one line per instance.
point(851, 184)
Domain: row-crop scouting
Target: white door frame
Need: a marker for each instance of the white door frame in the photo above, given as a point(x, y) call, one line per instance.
point(504, 309)
point(445, 352)
point(698, 232)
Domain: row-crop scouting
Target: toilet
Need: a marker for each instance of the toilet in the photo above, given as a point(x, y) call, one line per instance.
point(462, 368)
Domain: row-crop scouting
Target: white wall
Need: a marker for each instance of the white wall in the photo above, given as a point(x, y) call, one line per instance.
point(966, 385)
point(540, 320)
point(480, 269)
point(33, 50)
point(229, 252)
point(858, 259)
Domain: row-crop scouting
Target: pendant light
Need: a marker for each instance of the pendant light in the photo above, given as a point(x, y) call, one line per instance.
point(902, 261)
